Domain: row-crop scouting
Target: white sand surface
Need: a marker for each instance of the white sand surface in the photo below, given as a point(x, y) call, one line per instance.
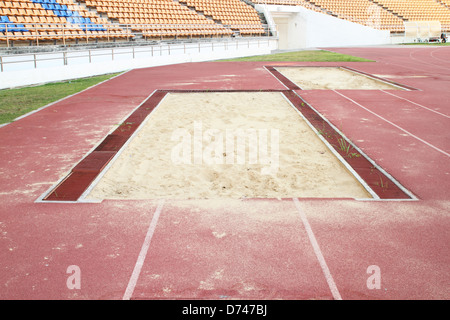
point(305, 166)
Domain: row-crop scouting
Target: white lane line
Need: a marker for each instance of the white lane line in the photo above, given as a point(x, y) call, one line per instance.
point(331, 284)
point(423, 62)
point(431, 54)
point(141, 258)
point(417, 104)
point(393, 124)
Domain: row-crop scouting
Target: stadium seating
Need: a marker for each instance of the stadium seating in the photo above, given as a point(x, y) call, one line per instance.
point(418, 10)
point(233, 13)
point(363, 12)
point(384, 14)
point(158, 18)
point(359, 11)
point(67, 21)
point(53, 20)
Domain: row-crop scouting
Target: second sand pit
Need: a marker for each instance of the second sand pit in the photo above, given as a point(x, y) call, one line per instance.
point(332, 78)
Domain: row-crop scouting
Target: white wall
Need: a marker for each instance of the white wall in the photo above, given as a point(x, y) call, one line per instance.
point(310, 29)
point(50, 67)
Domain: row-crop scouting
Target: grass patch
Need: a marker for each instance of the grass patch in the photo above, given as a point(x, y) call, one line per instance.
point(17, 102)
point(308, 55)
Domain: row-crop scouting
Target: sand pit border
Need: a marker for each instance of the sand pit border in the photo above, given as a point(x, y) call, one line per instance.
point(365, 170)
point(291, 85)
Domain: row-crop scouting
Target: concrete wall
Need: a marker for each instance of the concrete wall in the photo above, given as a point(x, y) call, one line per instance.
point(300, 28)
point(58, 66)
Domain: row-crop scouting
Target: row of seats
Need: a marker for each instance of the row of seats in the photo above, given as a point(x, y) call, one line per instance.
point(7, 25)
point(233, 13)
point(418, 10)
point(147, 15)
point(54, 20)
point(363, 12)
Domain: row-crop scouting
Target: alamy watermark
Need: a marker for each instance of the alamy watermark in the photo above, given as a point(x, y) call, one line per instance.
point(374, 280)
point(229, 146)
point(74, 280)
point(374, 16)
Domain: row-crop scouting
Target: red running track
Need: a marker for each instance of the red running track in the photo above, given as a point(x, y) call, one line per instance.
point(253, 249)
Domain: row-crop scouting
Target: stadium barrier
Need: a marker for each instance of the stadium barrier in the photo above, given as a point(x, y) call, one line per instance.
point(37, 68)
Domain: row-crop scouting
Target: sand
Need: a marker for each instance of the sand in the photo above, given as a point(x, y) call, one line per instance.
point(153, 165)
point(331, 78)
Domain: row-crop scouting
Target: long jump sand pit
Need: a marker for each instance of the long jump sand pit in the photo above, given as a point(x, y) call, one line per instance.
point(191, 147)
point(332, 78)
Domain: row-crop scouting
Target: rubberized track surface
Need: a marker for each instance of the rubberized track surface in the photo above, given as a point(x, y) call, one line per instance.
point(263, 249)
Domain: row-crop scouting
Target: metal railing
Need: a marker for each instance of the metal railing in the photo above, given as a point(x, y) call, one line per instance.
point(71, 57)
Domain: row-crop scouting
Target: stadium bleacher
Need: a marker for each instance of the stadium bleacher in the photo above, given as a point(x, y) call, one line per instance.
point(233, 13)
point(158, 19)
point(418, 10)
point(52, 20)
point(65, 21)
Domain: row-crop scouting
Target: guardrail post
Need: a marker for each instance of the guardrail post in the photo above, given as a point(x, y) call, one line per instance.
point(34, 60)
point(37, 36)
point(64, 34)
point(1, 63)
point(6, 32)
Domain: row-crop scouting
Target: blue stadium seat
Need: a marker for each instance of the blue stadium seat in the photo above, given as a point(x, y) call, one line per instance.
point(21, 28)
point(5, 23)
point(71, 16)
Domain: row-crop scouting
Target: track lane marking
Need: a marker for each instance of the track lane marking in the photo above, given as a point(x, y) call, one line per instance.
point(417, 104)
point(143, 253)
point(395, 125)
point(326, 271)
